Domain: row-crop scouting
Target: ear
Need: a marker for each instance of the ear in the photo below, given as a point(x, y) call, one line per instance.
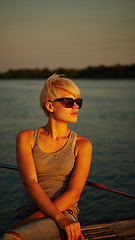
point(49, 106)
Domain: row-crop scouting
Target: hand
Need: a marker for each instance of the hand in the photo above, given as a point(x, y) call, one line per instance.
point(72, 228)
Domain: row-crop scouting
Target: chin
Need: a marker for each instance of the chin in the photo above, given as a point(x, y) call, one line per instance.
point(73, 120)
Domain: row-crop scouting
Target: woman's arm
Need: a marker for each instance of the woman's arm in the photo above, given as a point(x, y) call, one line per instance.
point(83, 153)
point(25, 142)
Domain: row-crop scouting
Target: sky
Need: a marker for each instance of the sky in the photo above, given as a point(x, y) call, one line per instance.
point(66, 33)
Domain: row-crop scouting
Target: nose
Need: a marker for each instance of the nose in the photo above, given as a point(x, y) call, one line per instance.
point(75, 106)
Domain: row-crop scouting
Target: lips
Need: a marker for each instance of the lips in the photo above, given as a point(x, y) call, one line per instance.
point(74, 113)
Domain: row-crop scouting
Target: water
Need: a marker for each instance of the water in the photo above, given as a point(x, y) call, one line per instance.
point(107, 119)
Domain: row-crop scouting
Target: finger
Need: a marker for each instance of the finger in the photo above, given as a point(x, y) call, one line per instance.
point(72, 232)
point(81, 237)
point(75, 230)
point(68, 232)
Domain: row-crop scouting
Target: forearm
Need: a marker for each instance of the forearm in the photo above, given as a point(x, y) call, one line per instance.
point(42, 201)
point(66, 200)
point(48, 207)
point(52, 209)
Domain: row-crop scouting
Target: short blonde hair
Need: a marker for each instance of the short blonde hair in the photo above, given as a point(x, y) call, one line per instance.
point(50, 90)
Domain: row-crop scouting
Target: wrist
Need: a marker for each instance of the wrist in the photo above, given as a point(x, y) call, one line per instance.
point(59, 217)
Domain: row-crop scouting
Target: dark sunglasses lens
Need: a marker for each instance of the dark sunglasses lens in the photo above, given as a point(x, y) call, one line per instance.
point(69, 103)
point(79, 102)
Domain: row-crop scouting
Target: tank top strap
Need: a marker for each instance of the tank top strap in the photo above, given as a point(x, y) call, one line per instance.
point(72, 141)
point(36, 136)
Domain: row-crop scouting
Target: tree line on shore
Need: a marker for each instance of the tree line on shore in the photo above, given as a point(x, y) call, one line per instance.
point(100, 72)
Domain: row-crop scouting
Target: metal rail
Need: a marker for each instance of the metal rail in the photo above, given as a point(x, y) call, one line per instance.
point(88, 183)
point(8, 166)
point(106, 188)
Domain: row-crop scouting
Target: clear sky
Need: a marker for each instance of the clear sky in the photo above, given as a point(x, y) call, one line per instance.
point(66, 33)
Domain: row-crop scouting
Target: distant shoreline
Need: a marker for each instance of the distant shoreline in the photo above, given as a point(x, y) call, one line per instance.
point(100, 72)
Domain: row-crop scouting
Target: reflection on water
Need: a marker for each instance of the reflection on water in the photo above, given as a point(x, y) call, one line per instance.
point(106, 119)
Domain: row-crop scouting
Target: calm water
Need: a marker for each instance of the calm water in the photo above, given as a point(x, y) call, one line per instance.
point(107, 119)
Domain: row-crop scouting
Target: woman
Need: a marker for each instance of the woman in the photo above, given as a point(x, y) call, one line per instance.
point(54, 163)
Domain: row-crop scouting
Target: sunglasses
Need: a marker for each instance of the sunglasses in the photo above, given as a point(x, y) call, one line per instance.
point(69, 102)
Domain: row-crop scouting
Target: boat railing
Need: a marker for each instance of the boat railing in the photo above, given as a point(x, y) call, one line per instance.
point(88, 183)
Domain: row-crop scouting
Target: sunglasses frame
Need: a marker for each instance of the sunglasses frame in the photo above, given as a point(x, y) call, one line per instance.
point(70, 99)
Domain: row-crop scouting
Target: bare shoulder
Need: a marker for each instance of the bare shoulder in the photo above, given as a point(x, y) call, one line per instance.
point(83, 142)
point(83, 145)
point(26, 133)
point(26, 136)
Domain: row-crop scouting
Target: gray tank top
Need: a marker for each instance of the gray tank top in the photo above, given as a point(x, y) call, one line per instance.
point(53, 169)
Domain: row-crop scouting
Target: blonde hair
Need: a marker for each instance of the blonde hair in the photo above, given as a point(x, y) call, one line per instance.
point(50, 90)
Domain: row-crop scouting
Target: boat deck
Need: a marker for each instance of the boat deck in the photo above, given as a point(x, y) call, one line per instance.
point(124, 230)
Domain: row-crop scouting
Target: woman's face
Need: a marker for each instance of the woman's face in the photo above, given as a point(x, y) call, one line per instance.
point(63, 114)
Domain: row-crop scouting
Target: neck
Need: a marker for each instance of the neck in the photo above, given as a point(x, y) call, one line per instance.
point(56, 129)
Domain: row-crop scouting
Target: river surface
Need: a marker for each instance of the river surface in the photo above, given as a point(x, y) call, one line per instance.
point(107, 119)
